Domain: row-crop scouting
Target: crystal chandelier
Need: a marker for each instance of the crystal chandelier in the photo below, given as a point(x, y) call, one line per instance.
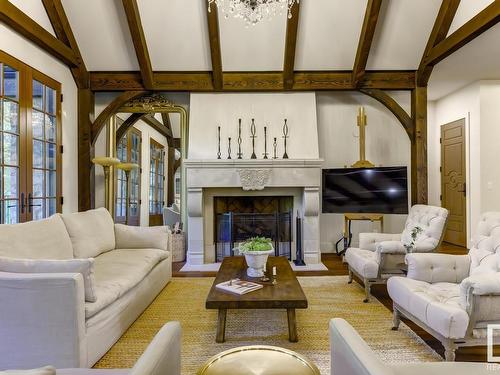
point(252, 11)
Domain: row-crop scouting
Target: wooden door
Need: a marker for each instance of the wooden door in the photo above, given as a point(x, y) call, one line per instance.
point(453, 177)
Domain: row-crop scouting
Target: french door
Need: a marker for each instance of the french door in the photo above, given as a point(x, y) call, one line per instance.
point(156, 183)
point(30, 136)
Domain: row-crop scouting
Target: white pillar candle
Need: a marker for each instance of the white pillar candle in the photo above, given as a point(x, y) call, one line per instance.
point(265, 267)
point(274, 271)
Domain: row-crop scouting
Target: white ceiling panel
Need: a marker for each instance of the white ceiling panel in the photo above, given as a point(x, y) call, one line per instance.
point(466, 10)
point(475, 61)
point(328, 34)
point(176, 33)
point(260, 47)
point(36, 11)
point(102, 34)
point(402, 33)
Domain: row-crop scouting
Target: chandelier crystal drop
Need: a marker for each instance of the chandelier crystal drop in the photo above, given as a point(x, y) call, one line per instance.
point(252, 11)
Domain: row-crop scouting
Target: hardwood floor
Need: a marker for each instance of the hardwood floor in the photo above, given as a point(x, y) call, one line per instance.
point(337, 268)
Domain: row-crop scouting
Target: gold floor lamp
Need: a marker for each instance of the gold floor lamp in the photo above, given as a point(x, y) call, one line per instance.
point(106, 162)
point(127, 168)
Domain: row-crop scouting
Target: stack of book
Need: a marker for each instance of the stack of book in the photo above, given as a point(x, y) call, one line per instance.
point(238, 286)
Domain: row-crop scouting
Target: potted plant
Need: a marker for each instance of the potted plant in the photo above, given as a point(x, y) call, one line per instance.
point(256, 251)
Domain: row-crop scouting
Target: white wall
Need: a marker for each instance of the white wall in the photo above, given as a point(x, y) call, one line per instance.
point(207, 111)
point(387, 144)
point(15, 45)
point(462, 104)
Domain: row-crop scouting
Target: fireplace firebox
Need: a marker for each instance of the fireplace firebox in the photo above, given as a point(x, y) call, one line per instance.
point(240, 218)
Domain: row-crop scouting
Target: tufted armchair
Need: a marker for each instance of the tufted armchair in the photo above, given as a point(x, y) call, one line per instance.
point(381, 255)
point(453, 297)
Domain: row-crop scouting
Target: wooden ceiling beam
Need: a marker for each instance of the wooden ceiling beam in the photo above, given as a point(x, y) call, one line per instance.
point(439, 31)
point(60, 24)
point(292, 25)
point(24, 25)
point(215, 51)
point(253, 81)
point(166, 120)
point(477, 25)
point(127, 124)
point(365, 40)
point(157, 125)
point(139, 40)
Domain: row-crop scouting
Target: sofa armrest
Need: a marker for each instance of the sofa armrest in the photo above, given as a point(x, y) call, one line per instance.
point(368, 241)
point(391, 247)
point(131, 237)
point(437, 268)
point(163, 355)
point(483, 284)
point(42, 320)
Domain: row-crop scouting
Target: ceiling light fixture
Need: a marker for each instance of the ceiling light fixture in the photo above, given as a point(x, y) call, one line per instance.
point(252, 11)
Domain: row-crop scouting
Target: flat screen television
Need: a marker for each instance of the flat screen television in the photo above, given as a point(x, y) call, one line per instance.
point(365, 190)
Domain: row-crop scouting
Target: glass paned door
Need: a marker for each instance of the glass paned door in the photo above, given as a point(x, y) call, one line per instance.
point(10, 141)
point(156, 183)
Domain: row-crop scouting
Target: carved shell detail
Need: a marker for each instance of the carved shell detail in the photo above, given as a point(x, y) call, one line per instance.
point(149, 102)
point(254, 179)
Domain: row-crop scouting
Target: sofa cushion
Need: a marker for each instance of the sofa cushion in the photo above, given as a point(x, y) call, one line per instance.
point(437, 305)
point(92, 232)
point(118, 271)
point(83, 266)
point(364, 262)
point(41, 239)
point(131, 237)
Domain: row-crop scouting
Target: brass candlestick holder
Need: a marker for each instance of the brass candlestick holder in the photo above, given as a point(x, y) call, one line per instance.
point(362, 162)
point(106, 162)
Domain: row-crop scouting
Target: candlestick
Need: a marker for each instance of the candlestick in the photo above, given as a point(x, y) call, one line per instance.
point(285, 136)
point(252, 132)
point(218, 139)
point(275, 145)
point(265, 142)
point(240, 154)
point(229, 148)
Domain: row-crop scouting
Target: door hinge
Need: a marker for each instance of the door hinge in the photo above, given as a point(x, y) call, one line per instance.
point(140, 170)
point(140, 201)
point(440, 169)
point(61, 149)
point(62, 200)
point(62, 98)
point(441, 197)
point(440, 140)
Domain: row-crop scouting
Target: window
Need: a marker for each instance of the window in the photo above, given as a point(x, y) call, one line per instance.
point(129, 150)
point(30, 135)
point(156, 182)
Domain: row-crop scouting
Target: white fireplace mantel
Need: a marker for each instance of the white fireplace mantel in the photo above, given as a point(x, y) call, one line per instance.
point(270, 176)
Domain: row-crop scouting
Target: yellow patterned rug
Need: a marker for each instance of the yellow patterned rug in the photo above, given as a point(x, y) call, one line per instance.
point(183, 300)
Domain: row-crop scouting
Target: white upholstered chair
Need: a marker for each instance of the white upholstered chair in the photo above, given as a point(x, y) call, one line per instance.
point(453, 297)
point(381, 255)
point(350, 355)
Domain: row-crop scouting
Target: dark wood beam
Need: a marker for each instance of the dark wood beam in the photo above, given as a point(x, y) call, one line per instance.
point(127, 124)
point(166, 120)
point(384, 98)
point(139, 40)
point(439, 31)
point(365, 40)
point(419, 184)
point(214, 38)
point(24, 25)
point(469, 31)
point(157, 125)
point(170, 176)
point(176, 143)
point(253, 81)
point(85, 149)
point(111, 109)
point(60, 24)
point(292, 25)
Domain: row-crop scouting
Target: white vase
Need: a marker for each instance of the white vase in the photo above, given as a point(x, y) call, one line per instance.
point(255, 261)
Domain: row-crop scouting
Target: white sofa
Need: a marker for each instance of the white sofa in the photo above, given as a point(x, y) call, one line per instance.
point(350, 355)
point(453, 297)
point(381, 255)
point(46, 317)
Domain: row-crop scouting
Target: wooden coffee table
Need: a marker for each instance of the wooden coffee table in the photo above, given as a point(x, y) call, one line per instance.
point(285, 294)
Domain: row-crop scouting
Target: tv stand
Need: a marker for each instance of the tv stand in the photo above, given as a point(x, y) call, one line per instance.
point(348, 219)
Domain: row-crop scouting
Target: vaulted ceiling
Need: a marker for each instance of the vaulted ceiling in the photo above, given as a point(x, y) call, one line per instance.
point(177, 37)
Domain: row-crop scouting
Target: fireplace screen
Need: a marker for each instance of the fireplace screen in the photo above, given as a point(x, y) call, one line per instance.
point(255, 217)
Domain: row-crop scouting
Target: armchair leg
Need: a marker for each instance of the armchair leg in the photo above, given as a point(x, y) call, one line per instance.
point(396, 318)
point(449, 351)
point(350, 276)
point(367, 290)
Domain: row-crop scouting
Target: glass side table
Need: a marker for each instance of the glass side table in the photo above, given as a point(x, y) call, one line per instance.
point(258, 360)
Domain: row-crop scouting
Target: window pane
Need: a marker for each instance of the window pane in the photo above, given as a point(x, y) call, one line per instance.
point(37, 95)
point(11, 82)
point(38, 183)
point(37, 154)
point(10, 149)
point(51, 207)
point(37, 124)
point(38, 208)
point(51, 184)
point(51, 156)
point(50, 101)
point(10, 182)
point(10, 116)
point(11, 209)
point(50, 128)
